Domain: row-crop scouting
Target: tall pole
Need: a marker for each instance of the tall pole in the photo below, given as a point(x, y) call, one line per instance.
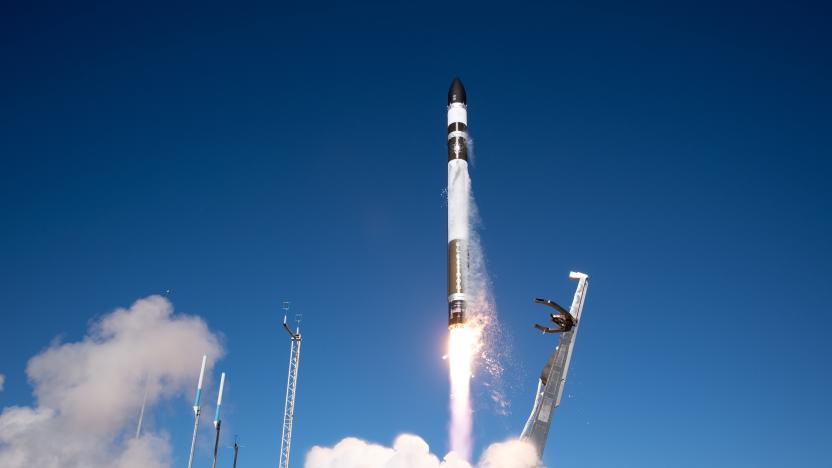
point(197, 411)
point(216, 443)
point(236, 449)
point(217, 421)
point(291, 392)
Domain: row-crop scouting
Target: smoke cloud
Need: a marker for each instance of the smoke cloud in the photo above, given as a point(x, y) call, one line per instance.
point(492, 350)
point(2, 381)
point(509, 454)
point(410, 451)
point(88, 393)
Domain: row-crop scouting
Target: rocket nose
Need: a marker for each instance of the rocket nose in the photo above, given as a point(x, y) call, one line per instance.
point(457, 92)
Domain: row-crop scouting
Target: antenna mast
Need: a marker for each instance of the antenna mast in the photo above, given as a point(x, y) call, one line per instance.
point(217, 419)
point(197, 410)
point(291, 387)
point(236, 449)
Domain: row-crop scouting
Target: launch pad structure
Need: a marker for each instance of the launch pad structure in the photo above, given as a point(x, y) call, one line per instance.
point(553, 376)
point(291, 389)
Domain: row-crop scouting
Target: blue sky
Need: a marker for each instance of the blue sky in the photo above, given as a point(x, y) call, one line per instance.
point(243, 155)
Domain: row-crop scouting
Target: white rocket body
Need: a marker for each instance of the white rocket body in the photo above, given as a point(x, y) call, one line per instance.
point(459, 189)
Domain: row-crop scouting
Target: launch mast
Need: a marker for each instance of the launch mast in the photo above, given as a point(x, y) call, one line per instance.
point(553, 376)
point(218, 420)
point(197, 411)
point(291, 388)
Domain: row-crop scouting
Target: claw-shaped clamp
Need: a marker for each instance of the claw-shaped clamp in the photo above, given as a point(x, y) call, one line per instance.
point(295, 336)
point(563, 319)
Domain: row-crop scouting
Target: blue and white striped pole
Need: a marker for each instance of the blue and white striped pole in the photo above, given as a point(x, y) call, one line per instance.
point(217, 420)
point(199, 385)
point(219, 401)
point(196, 411)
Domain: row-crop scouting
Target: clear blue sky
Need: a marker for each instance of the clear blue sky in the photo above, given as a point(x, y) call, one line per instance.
point(240, 155)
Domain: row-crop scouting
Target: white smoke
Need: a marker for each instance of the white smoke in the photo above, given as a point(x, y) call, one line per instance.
point(2, 381)
point(493, 347)
point(88, 393)
point(509, 454)
point(410, 451)
point(487, 347)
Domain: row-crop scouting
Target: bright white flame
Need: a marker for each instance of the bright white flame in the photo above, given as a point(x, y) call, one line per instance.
point(460, 355)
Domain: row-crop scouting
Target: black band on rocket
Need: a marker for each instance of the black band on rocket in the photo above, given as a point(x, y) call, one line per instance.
point(457, 148)
point(457, 127)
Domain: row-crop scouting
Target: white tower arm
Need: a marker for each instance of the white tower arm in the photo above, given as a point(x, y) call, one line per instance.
point(553, 377)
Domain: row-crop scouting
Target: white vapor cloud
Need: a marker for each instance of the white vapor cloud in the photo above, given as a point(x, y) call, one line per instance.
point(2, 381)
point(410, 451)
point(88, 393)
point(509, 454)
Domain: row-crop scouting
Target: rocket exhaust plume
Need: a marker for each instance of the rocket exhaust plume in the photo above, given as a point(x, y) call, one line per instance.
point(460, 358)
point(461, 340)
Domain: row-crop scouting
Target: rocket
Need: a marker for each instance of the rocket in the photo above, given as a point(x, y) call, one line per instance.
point(459, 185)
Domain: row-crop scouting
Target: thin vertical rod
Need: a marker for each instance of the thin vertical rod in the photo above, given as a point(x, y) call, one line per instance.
point(197, 410)
point(193, 438)
point(141, 412)
point(217, 420)
point(216, 444)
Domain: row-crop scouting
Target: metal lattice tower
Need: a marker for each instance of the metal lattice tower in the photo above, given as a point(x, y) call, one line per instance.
point(291, 389)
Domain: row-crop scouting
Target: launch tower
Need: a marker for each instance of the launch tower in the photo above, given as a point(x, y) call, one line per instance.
point(553, 376)
point(291, 390)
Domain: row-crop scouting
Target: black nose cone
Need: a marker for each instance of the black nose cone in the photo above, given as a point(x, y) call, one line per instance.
point(457, 92)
